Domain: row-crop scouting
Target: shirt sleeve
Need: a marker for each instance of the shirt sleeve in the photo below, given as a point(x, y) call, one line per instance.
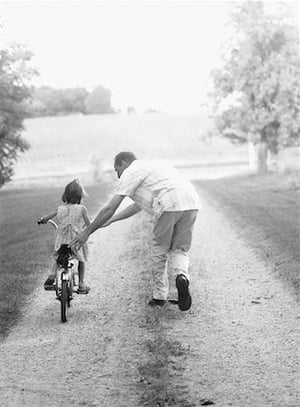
point(130, 180)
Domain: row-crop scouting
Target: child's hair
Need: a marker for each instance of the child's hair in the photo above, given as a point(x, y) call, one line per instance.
point(73, 192)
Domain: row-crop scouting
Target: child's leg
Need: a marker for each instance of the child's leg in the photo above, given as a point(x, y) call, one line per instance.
point(53, 270)
point(51, 278)
point(81, 272)
point(82, 289)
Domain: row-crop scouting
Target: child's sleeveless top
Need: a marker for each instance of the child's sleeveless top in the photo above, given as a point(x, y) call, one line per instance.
point(70, 223)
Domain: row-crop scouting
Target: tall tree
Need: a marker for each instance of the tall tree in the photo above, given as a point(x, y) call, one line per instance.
point(99, 101)
point(261, 77)
point(15, 89)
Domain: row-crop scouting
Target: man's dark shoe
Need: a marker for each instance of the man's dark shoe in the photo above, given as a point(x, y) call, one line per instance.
point(154, 303)
point(184, 297)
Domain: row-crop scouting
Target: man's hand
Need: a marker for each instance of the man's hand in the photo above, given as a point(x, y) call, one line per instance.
point(79, 240)
point(103, 216)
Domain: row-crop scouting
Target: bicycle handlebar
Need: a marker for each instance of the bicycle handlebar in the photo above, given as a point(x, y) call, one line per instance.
point(49, 221)
point(53, 223)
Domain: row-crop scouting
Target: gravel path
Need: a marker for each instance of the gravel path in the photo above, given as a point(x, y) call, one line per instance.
point(237, 346)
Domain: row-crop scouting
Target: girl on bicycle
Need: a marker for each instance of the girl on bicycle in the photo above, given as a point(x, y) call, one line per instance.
point(72, 219)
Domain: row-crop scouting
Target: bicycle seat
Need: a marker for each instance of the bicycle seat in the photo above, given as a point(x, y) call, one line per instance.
point(64, 255)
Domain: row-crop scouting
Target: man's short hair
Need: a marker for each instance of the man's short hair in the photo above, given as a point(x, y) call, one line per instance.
point(127, 156)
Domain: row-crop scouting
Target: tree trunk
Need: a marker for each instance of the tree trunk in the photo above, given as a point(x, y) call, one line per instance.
point(262, 156)
point(252, 155)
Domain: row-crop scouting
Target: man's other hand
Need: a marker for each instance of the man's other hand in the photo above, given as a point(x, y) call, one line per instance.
point(79, 240)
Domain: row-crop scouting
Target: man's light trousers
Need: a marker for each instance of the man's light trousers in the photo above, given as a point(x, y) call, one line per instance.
point(171, 243)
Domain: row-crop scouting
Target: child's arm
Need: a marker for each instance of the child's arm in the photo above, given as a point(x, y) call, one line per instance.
point(44, 219)
point(86, 216)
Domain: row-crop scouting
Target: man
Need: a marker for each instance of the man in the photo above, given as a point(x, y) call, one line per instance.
point(161, 191)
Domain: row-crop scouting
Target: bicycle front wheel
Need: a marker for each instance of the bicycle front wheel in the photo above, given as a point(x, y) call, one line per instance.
point(64, 300)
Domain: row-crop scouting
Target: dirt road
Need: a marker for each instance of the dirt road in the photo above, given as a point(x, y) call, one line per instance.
point(237, 346)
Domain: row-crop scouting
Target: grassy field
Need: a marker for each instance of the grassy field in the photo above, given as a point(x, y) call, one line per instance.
point(265, 210)
point(75, 145)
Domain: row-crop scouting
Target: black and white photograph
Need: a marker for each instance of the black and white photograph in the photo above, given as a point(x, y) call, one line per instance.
point(149, 203)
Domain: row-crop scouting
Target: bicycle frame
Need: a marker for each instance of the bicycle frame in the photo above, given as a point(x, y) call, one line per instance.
point(64, 287)
point(65, 277)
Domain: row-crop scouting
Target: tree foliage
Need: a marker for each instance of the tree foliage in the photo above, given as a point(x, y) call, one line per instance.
point(47, 101)
point(98, 101)
point(261, 75)
point(15, 90)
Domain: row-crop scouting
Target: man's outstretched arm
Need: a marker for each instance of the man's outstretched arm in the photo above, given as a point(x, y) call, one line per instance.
point(103, 216)
point(124, 214)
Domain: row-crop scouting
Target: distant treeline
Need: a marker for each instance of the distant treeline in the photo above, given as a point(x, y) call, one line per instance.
point(47, 101)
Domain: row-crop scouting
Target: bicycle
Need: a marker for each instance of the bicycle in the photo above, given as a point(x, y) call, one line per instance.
point(65, 276)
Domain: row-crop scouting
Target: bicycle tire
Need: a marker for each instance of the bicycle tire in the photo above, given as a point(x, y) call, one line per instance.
point(64, 300)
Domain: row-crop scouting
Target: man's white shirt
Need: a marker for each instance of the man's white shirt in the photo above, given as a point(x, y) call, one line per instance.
point(157, 187)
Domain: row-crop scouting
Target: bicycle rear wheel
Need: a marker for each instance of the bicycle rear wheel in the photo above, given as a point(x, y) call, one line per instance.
point(64, 300)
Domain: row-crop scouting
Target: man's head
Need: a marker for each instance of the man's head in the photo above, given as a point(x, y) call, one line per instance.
point(122, 161)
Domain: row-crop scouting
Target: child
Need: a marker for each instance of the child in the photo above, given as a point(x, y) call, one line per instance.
point(72, 219)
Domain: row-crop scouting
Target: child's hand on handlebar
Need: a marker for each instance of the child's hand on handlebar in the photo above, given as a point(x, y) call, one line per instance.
point(41, 221)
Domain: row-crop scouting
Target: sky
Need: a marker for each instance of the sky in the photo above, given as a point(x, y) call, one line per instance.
point(150, 54)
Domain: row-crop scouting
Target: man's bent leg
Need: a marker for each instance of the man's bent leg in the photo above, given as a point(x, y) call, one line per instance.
point(181, 242)
point(179, 262)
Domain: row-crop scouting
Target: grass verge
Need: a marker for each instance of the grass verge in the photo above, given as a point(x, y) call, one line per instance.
point(26, 248)
point(265, 211)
